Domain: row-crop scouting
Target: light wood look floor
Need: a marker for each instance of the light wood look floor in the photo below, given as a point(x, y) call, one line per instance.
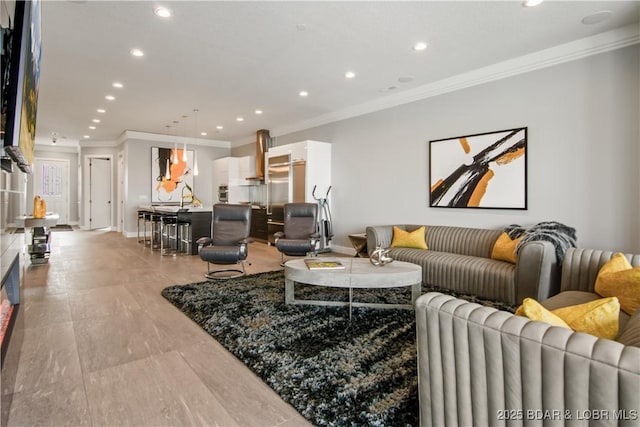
point(95, 344)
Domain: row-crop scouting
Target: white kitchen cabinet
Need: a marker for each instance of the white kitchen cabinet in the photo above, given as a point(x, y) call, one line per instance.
point(233, 172)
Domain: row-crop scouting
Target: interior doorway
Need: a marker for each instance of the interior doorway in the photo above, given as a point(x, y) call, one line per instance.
point(98, 175)
point(51, 183)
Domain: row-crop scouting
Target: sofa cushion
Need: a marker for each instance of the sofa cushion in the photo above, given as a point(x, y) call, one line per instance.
point(482, 277)
point(618, 278)
point(505, 249)
point(464, 241)
point(631, 333)
point(408, 239)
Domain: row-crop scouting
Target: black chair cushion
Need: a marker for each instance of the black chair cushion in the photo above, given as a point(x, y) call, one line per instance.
point(222, 254)
point(294, 247)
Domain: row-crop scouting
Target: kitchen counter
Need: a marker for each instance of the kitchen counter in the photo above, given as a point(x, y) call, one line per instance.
point(198, 218)
point(174, 208)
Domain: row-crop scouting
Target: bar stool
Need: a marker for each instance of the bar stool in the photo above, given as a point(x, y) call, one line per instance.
point(155, 238)
point(183, 230)
point(142, 215)
point(168, 223)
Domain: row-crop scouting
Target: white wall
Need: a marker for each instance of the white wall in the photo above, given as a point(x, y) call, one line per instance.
point(583, 152)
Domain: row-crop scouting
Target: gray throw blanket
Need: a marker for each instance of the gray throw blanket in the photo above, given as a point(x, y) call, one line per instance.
point(562, 236)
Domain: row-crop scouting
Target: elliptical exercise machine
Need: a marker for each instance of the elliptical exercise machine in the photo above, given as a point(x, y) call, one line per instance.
point(324, 221)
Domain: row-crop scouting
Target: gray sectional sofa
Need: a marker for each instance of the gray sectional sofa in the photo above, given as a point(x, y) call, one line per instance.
point(481, 366)
point(459, 259)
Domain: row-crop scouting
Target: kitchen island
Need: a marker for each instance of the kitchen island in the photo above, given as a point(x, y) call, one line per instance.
point(199, 219)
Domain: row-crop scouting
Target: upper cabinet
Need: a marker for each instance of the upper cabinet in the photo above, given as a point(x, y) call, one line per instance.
point(233, 171)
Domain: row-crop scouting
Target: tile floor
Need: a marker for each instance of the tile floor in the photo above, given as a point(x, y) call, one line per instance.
point(95, 344)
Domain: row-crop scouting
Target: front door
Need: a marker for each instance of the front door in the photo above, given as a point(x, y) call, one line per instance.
point(51, 183)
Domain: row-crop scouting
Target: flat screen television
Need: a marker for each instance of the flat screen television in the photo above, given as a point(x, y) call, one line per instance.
point(22, 48)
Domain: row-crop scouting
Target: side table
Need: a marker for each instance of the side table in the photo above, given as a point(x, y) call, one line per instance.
point(359, 243)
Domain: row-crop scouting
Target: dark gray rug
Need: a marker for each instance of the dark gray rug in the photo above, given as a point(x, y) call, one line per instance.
point(335, 372)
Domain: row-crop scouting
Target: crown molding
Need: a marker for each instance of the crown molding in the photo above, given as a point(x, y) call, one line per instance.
point(155, 137)
point(158, 137)
point(577, 49)
point(57, 148)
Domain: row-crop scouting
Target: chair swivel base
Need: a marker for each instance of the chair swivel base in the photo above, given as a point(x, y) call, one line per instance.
point(225, 273)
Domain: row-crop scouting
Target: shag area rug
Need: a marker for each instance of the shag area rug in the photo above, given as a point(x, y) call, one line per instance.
point(335, 372)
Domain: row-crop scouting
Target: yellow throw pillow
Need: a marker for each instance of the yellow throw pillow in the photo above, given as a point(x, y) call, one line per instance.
point(599, 317)
point(409, 239)
point(617, 278)
point(532, 309)
point(504, 249)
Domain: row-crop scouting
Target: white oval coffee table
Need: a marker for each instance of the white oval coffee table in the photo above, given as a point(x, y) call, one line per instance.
point(357, 273)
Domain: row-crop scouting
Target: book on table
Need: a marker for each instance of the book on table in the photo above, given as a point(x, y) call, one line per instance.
point(314, 264)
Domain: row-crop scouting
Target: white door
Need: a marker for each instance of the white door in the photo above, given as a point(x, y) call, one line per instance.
point(51, 182)
point(99, 193)
point(120, 197)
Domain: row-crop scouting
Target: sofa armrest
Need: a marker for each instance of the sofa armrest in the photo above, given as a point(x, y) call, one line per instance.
point(481, 366)
point(581, 266)
point(537, 271)
point(380, 235)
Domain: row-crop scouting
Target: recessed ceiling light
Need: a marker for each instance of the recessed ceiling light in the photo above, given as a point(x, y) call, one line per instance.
point(110, 97)
point(117, 85)
point(203, 133)
point(219, 127)
point(136, 52)
point(96, 120)
point(86, 136)
point(303, 93)
point(597, 17)
point(258, 112)
point(349, 74)
point(405, 79)
point(531, 3)
point(92, 127)
point(162, 12)
point(240, 119)
point(420, 46)
point(101, 110)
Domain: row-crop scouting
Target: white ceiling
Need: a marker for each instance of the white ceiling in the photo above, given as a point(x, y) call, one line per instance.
point(230, 58)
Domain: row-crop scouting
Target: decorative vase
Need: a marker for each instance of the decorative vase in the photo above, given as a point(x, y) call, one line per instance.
point(39, 207)
point(379, 257)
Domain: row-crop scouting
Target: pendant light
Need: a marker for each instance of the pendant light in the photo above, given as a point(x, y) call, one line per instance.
point(195, 159)
point(167, 173)
point(184, 149)
point(174, 158)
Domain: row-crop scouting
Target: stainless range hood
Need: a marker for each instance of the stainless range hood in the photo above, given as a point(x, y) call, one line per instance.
point(263, 139)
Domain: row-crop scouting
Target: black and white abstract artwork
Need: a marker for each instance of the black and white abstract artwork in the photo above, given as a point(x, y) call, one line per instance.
point(487, 170)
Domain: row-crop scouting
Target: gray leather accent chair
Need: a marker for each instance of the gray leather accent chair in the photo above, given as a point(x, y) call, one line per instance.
point(300, 234)
point(485, 367)
point(228, 244)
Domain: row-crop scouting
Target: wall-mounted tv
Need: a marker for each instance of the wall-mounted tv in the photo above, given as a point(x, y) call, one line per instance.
point(22, 46)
